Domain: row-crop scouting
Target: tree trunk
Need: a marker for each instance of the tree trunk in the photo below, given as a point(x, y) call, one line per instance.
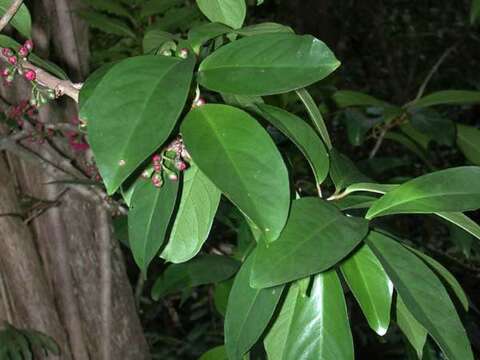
point(55, 272)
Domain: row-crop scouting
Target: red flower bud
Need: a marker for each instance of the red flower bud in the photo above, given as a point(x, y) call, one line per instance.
point(23, 51)
point(180, 165)
point(5, 72)
point(30, 75)
point(29, 45)
point(12, 59)
point(156, 159)
point(157, 180)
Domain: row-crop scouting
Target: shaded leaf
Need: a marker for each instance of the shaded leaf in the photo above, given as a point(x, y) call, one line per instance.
point(411, 328)
point(468, 140)
point(228, 12)
point(21, 21)
point(348, 98)
point(343, 171)
point(448, 97)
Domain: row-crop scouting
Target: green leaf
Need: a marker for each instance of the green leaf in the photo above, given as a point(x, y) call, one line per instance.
point(433, 124)
point(316, 237)
point(107, 24)
point(315, 115)
point(468, 140)
point(155, 7)
point(198, 205)
point(314, 326)
point(267, 64)
point(217, 353)
point(446, 275)
point(204, 269)
point(240, 158)
point(358, 125)
point(112, 7)
point(21, 21)
point(303, 136)
point(462, 221)
point(91, 84)
point(248, 312)
point(411, 328)
point(343, 171)
point(148, 220)
point(354, 202)
point(455, 189)
point(228, 12)
point(203, 33)
point(123, 133)
point(154, 39)
point(475, 11)
point(448, 97)
point(371, 287)
point(418, 286)
point(348, 98)
point(264, 28)
point(220, 296)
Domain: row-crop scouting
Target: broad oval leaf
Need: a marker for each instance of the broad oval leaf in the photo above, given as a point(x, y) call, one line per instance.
point(371, 287)
point(448, 97)
point(133, 110)
point(267, 64)
point(455, 189)
point(91, 83)
point(468, 140)
point(418, 285)
point(248, 312)
point(316, 237)
point(198, 205)
point(411, 328)
point(217, 353)
point(240, 158)
point(228, 12)
point(202, 33)
point(303, 136)
point(21, 20)
point(314, 326)
point(204, 269)
point(148, 220)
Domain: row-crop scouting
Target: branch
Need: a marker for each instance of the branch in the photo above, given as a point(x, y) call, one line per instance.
point(10, 13)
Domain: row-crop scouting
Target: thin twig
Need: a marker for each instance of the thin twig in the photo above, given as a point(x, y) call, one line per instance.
point(379, 142)
point(10, 13)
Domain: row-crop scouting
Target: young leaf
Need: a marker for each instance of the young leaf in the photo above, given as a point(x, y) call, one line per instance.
point(316, 237)
point(204, 269)
point(446, 275)
point(123, 134)
point(303, 136)
point(454, 189)
point(248, 312)
point(228, 12)
point(448, 97)
point(315, 115)
point(154, 39)
point(411, 328)
point(149, 218)
point(21, 21)
point(371, 287)
point(468, 140)
point(198, 205)
point(418, 285)
point(240, 158)
point(313, 326)
point(267, 64)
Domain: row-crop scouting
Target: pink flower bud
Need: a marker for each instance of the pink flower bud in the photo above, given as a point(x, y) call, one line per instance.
point(7, 52)
point(156, 159)
point(199, 102)
point(30, 75)
point(23, 51)
point(183, 53)
point(173, 177)
point(5, 72)
point(12, 60)
point(157, 180)
point(180, 165)
point(29, 45)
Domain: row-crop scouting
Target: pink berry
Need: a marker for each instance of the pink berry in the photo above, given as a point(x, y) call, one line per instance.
point(23, 51)
point(30, 75)
point(180, 165)
point(12, 59)
point(29, 45)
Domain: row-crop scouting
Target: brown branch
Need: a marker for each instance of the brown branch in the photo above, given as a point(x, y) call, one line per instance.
point(10, 13)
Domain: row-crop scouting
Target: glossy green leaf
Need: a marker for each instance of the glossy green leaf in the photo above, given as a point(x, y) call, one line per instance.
point(217, 353)
point(91, 84)
point(454, 189)
point(355, 202)
point(249, 311)
point(315, 116)
point(371, 287)
point(446, 275)
point(149, 218)
point(448, 97)
point(263, 28)
point(124, 133)
point(303, 136)
point(221, 295)
point(198, 205)
point(267, 64)
point(228, 12)
point(462, 221)
point(316, 237)
point(21, 20)
point(411, 328)
point(468, 140)
point(314, 326)
point(348, 98)
point(202, 33)
point(418, 285)
point(154, 39)
point(240, 158)
point(343, 171)
point(204, 269)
